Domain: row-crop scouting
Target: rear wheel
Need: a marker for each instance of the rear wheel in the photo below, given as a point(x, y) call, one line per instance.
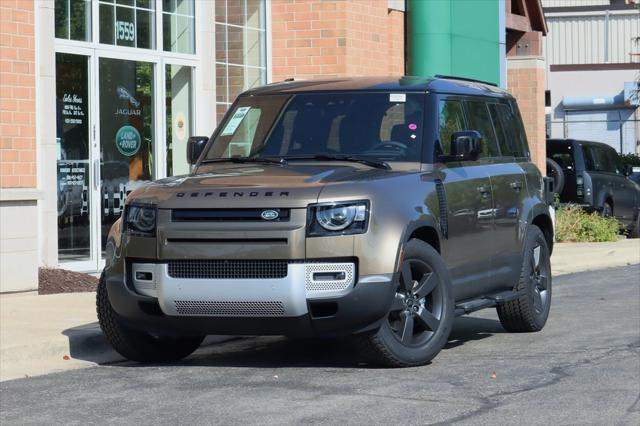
point(137, 345)
point(530, 311)
point(421, 315)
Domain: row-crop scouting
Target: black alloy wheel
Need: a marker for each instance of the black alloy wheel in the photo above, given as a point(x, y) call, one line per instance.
point(417, 308)
point(421, 314)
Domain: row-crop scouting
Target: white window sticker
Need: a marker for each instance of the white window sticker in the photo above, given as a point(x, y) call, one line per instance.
point(235, 121)
point(397, 97)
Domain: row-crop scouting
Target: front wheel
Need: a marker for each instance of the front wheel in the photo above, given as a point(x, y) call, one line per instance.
point(137, 345)
point(530, 311)
point(421, 316)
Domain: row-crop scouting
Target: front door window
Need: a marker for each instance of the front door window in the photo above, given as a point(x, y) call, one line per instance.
point(126, 133)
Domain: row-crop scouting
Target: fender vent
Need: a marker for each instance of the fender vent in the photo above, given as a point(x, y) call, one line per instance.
point(442, 206)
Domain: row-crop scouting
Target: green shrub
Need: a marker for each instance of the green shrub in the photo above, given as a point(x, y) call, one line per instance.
point(573, 224)
point(630, 159)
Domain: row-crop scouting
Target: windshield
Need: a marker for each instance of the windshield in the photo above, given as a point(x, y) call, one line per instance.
point(378, 126)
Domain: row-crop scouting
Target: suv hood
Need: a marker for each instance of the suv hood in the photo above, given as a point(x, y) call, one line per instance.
point(251, 186)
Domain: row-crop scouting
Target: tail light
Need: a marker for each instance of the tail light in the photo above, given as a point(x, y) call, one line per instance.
point(579, 186)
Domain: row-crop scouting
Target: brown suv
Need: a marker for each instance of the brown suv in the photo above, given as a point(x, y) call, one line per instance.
point(378, 207)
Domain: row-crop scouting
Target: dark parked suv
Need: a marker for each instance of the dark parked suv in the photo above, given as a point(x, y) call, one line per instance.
point(592, 175)
point(378, 208)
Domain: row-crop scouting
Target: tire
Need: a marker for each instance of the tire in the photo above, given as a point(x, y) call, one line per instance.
point(530, 311)
point(138, 345)
point(555, 172)
point(607, 210)
point(421, 316)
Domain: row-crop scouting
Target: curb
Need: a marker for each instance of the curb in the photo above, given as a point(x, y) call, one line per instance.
point(78, 347)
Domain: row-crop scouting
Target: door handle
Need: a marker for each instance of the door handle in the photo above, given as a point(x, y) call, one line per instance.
point(96, 174)
point(516, 186)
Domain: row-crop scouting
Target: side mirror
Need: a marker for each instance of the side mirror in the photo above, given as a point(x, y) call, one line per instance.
point(465, 146)
point(195, 146)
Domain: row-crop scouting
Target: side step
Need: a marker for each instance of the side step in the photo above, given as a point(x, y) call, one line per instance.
point(485, 302)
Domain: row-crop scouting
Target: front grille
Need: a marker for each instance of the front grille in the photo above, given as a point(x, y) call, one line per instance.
point(230, 308)
point(230, 215)
point(228, 269)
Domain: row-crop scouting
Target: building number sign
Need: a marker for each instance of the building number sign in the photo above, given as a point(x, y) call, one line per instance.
point(125, 31)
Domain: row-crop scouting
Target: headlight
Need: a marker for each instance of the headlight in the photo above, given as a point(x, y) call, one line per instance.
point(140, 220)
point(341, 219)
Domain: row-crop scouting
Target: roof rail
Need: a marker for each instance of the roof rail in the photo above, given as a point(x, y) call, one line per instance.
point(453, 77)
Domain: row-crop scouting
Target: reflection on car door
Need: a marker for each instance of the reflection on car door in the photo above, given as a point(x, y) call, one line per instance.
point(469, 210)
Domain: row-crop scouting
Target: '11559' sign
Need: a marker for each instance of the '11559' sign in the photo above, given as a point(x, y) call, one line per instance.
point(125, 31)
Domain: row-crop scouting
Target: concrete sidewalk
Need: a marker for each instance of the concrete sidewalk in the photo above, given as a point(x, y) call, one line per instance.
point(568, 258)
point(44, 334)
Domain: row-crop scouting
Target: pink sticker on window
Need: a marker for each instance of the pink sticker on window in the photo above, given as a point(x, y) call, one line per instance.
point(413, 126)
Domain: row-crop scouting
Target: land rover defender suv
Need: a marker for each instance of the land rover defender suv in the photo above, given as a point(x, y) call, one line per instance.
point(592, 175)
point(379, 208)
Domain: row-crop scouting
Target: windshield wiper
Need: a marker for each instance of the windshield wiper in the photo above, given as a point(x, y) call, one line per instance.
point(338, 157)
point(242, 160)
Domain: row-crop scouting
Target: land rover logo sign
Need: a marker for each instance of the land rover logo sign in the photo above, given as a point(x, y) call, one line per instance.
point(269, 215)
point(128, 140)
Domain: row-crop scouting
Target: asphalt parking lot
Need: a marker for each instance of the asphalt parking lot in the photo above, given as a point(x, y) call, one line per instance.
point(583, 368)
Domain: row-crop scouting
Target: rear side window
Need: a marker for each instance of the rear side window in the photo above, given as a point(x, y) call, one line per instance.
point(481, 121)
point(451, 119)
point(513, 116)
point(515, 144)
point(602, 161)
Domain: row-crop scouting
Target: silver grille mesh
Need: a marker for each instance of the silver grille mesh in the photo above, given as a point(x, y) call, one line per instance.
point(333, 285)
point(228, 269)
point(230, 308)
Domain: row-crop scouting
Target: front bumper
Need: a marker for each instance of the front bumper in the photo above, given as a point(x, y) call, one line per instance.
point(305, 302)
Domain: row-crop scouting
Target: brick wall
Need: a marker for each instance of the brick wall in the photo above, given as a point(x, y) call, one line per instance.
point(17, 95)
point(335, 38)
point(526, 82)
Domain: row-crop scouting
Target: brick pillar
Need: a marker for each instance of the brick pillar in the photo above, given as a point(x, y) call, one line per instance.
point(526, 82)
point(334, 38)
point(17, 95)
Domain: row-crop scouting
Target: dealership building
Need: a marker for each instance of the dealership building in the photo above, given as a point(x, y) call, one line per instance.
point(99, 97)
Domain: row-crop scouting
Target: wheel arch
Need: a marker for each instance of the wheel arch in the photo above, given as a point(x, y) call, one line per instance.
point(544, 222)
point(425, 229)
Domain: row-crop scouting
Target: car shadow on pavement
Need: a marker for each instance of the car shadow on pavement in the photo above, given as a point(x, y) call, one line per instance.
point(87, 343)
point(272, 352)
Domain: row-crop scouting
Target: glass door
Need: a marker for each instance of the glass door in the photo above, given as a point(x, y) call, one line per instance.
point(127, 134)
point(74, 178)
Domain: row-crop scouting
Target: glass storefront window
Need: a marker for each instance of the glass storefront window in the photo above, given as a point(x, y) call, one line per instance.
point(178, 92)
point(178, 22)
point(240, 49)
point(127, 23)
point(126, 133)
point(73, 19)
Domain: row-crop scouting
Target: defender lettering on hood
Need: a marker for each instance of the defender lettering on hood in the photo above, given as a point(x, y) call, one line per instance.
point(227, 194)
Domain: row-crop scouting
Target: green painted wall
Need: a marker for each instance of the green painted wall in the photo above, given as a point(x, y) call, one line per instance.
point(454, 37)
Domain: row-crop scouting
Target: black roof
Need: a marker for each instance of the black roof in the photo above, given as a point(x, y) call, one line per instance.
point(404, 84)
point(580, 141)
